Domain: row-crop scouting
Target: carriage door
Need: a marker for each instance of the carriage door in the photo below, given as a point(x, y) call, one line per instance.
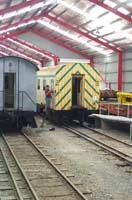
point(9, 90)
point(77, 90)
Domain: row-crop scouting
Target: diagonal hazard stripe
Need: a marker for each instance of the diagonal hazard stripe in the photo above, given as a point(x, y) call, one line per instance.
point(62, 98)
point(92, 87)
point(97, 72)
point(91, 106)
point(68, 71)
point(90, 94)
point(88, 72)
point(69, 101)
point(63, 87)
point(60, 69)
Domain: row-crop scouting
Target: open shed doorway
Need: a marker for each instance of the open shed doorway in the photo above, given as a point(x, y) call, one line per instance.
point(77, 90)
point(9, 90)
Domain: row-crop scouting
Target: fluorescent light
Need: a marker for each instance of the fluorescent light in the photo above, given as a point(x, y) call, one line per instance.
point(71, 36)
point(30, 49)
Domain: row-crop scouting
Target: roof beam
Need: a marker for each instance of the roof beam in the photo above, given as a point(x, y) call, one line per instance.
point(19, 6)
point(20, 42)
point(6, 28)
point(3, 53)
point(116, 12)
point(69, 27)
point(60, 44)
point(21, 53)
point(46, 54)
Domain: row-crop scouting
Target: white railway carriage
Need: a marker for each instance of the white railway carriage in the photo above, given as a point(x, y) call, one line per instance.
point(17, 91)
point(75, 89)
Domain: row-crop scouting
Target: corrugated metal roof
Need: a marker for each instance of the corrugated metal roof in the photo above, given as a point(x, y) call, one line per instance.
point(91, 27)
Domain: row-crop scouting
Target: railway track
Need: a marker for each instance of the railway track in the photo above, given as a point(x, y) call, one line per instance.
point(13, 182)
point(119, 148)
point(48, 181)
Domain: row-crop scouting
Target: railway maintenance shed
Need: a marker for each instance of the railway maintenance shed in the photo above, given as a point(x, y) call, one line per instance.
point(65, 99)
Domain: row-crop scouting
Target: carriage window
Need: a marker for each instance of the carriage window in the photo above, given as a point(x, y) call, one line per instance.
point(44, 84)
point(38, 84)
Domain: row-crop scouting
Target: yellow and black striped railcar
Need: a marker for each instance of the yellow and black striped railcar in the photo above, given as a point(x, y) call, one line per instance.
point(75, 90)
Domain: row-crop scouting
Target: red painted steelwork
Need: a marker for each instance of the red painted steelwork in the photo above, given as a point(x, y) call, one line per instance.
point(55, 59)
point(116, 12)
point(21, 22)
point(60, 44)
point(3, 52)
point(4, 36)
point(120, 63)
point(10, 48)
point(19, 6)
point(69, 27)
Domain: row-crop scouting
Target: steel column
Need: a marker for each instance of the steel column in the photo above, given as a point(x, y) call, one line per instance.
point(120, 64)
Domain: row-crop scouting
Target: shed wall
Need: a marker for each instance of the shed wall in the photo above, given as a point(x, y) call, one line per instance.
point(108, 67)
point(48, 46)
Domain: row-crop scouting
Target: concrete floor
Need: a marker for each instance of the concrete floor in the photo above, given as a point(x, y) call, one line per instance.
point(99, 172)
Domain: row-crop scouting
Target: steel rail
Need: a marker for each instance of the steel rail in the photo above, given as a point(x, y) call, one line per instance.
point(101, 144)
point(57, 170)
point(12, 177)
point(20, 168)
point(96, 131)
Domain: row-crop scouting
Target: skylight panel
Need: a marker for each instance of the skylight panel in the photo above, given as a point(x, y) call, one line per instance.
point(8, 15)
point(110, 3)
point(122, 1)
point(129, 4)
point(23, 10)
point(71, 36)
point(26, 9)
point(123, 10)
